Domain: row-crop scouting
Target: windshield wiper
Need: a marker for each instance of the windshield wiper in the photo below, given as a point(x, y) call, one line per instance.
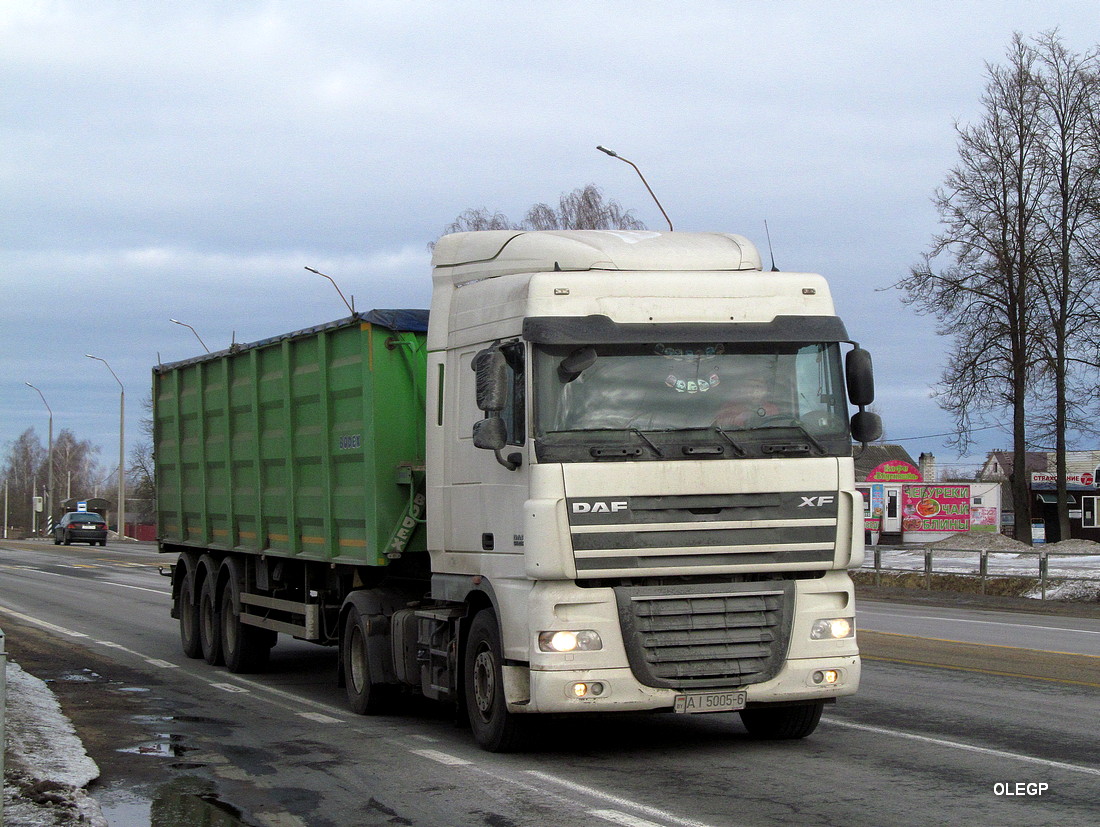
point(647, 441)
point(794, 423)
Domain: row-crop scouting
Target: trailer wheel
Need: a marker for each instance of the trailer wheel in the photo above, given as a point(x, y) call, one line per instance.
point(782, 723)
point(210, 621)
point(494, 727)
point(365, 696)
point(189, 616)
point(245, 648)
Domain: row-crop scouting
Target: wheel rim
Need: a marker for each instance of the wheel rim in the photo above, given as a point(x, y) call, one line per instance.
point(357, 660)
point(485, 683)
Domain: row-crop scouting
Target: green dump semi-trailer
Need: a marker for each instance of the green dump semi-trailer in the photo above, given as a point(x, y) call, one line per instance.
point(612, 472)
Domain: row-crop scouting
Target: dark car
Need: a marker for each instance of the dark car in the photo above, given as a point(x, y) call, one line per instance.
point(81, 527)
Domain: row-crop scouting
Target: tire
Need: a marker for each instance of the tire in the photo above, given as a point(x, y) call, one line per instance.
point(495, 728)
point(210, 634)
point(244, 648)
point(782, 723)
point(56, 540)
point(365, 695)
point(189, 617)
point(68, 542)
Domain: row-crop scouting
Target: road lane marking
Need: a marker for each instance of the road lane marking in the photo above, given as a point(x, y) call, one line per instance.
point(319, 718)
point(42, 624)
point(902, 617)
point(616, 817)
point(664, 816)
point(164, 592)
point(941, 742)
point(228, 687)
point(441, 757)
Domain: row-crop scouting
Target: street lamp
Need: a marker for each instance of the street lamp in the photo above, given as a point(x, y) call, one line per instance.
point(49, 464)
point(121, 449)
point(351, 307)
point(197, 336)
point(615, 154)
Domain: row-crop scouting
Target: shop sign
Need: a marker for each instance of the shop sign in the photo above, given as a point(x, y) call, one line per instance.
point(895, 470)
point(935, 508)
point(1087, 479)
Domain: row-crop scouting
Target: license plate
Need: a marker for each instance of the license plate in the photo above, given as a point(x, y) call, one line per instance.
point(710, 702)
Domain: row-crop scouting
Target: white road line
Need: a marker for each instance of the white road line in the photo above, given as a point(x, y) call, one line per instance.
point(904, 617)
point(941, 742)
point(652, 812)
point(319, 718)
point(138, 588)
point(42, 624)
point(616, 817)
point(228, 687)
point(440, 757)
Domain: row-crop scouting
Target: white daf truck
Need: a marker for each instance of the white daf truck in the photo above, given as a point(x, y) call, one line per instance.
point(634, 490)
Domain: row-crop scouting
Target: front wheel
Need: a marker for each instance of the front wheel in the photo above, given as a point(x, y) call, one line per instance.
point(494, 727)
point(782, 723)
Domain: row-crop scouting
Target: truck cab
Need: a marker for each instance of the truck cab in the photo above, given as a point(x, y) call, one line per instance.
point(644, 478)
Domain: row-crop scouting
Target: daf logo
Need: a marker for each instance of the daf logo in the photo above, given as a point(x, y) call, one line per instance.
point(600, 507)
point(815, 502)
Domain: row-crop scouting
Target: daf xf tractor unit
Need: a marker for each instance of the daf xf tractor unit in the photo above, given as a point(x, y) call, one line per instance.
point(609, 471)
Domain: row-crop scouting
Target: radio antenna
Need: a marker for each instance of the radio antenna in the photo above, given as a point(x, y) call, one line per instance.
point(615, 154)
point(771, 252)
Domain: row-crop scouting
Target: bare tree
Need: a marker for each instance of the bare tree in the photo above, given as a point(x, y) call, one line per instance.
point(985, 297)
point(25, 473)
point(141, 475)
point(1069, 88)
point(74, 465)
point(585, 208)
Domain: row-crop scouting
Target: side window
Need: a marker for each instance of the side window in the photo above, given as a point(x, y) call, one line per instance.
point(515, 409)
point(1088, 512)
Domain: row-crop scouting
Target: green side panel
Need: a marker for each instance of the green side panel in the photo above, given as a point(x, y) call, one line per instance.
point(296, 447)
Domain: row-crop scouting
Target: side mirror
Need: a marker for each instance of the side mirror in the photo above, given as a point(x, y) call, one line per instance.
point(576, 363)
point(866, 426)
point(860, 377)
point(492, 379)
point(490, 434)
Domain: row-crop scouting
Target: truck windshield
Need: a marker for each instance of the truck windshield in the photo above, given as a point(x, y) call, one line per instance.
point(673, 401)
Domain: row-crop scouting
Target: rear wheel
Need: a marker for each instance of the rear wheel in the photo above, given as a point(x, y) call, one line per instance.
point(210, 621)
point(245, 648)
point(494, 727)
point(782, 723)
point(56, 540)
point(189, 617)
point(365, 696)
point(68, 542)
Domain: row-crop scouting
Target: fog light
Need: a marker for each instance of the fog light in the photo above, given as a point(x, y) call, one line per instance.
point(826, 676)
point(588, 690)
point(834, 628)
point(568, 641)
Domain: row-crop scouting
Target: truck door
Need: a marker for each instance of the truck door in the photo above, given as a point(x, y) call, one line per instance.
point(484, 497)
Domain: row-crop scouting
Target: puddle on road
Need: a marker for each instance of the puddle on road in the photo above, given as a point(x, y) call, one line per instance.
point(184, 801)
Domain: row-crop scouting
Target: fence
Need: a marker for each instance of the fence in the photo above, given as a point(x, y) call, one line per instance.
point(1045, 567)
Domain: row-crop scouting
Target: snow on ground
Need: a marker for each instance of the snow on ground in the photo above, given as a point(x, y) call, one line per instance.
point(45, 765)
point(1073, 566)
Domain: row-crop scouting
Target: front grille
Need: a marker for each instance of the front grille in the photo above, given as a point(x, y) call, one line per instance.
point(704, 533)
point(728, 634)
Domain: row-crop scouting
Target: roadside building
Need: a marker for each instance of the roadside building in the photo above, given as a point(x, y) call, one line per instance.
point(1082, 471)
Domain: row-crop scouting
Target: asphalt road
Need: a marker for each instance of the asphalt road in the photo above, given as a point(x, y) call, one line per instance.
point(976, 717)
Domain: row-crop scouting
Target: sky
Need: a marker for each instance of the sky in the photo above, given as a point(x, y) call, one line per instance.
point(188, 160)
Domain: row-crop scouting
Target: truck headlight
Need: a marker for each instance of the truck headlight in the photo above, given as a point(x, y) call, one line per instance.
point(568, 641)
point(833, 628)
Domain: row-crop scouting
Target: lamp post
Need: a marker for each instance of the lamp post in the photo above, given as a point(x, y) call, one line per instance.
point(615, 154)
point(49, 464)
point(197, 336)
point(350, 306)
point(121, 449)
